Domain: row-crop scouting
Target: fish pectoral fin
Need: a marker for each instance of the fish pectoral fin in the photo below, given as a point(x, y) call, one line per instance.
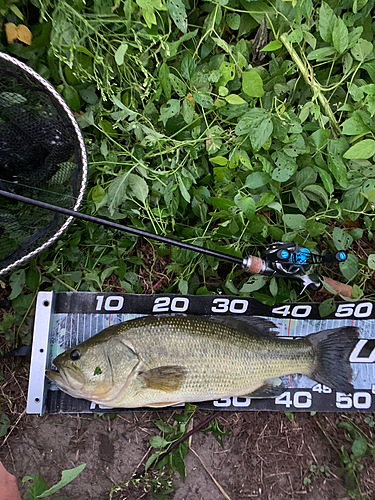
point(164, 378)
point(268, 390)
point(160, 405)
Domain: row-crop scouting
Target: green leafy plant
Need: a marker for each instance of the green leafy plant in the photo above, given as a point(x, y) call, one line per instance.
point(192, 132)
point(316, 472)
point(361, 445)
point(39, 488)
point(170, 434)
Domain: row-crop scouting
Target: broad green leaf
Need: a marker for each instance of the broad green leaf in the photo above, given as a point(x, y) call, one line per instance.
point(164, 80)
point(97, 194)
point(285, 167)
point(296, 36)
point(169, 110)
point(120, 53)
point(246, 204)
point(16, 11)
point(187, 67)
point(265, 200)
point(361, 151)
point(158, 442)
point(327, 307)
point(187, 111)
point(356, 233)
point(349, 268)
point(17, 281)
point(326, 179)
point(335, 162)
point(37, 487)
point(354, 126)
point(203, 99)
point(295, 221)
point(257, 123)
point(341, 239)
point(183, 190)
point(274, 45)
point(371, 261)
point(234, 99)
point(177, 11)
point(356, 92)
point(310, 39)
point(228, 73)
point(138, 187)
point(361, 49)
point(178, 461)
point(178, 85)
point(4, 424)
point(254, 283)
point(347, 62)
point(320, 138)
point(71, 97)
point(340, 36)
point(317, 193)
point(8, 321)
point(149, 16)
point(183, 287)
point(252, 84)
point(322, 54)
point(256, 180)
point(315, 228)
point(273, 287)
point(327, 20)
point(117, 191)
point(300, 199)
point(66, 477)
point(219, 160)
point(233, 21)
point(369, 190)
point(305, 177)
point(359, 446)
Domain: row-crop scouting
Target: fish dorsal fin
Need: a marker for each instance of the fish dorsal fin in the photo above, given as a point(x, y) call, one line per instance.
point(164, 378)
point(252, 325)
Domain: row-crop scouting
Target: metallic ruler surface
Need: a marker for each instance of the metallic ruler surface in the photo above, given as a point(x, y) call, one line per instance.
point(67, 319)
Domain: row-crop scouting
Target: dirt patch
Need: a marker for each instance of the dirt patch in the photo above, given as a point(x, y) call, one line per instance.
point(264, 456)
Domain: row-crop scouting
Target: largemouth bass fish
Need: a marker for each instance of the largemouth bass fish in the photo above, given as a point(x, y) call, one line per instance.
point(168, 359)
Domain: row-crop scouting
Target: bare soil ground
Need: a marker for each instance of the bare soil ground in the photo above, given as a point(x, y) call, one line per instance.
point(264, 456)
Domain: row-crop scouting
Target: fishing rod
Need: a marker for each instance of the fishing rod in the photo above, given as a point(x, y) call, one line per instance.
point(284, 260)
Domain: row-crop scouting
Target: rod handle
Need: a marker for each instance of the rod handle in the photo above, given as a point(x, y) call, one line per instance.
point(341, 288)
point(253, 264)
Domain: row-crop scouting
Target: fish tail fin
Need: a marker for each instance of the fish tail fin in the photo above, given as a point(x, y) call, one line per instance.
point(332, 350)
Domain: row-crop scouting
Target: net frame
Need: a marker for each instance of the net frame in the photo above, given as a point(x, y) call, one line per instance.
point(83, 164)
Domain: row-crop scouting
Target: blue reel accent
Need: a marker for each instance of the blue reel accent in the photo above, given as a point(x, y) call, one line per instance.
point(342, 256)
point(284, 254)
point(301, 257)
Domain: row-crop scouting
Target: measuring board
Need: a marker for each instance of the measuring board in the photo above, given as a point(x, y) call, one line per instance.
point(63, 320)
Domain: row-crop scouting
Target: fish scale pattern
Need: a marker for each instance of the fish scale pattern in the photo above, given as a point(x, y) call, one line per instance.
point(193, 359)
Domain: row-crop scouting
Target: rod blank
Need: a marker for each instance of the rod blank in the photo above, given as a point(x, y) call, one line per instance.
point(120, 227)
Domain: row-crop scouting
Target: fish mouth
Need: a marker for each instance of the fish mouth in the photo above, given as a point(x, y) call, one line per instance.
point(66, 378)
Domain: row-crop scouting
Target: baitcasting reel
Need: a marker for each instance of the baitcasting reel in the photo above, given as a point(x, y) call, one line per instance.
point(289, 260)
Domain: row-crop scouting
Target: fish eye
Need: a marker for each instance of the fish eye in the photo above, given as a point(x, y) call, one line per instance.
point(75, 355)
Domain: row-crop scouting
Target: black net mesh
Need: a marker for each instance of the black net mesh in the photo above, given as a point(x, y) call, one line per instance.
point(42, 156)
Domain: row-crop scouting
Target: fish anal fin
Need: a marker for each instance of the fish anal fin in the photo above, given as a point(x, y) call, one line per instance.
point(160, 405)
point(164, 378)
point(268, 390)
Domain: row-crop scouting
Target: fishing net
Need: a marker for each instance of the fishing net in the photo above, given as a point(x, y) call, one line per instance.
point(42, 156)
